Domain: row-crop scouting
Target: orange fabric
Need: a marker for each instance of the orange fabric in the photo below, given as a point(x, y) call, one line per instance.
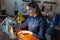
point(26, 37)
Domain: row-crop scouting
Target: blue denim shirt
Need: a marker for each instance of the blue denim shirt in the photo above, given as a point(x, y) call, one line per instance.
point(37, 25)
point(54, 22)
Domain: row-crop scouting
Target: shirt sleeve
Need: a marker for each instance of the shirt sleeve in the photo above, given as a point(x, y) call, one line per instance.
point(24, 24)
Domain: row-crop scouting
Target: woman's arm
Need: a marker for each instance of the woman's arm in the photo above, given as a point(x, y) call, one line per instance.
point(24, 24)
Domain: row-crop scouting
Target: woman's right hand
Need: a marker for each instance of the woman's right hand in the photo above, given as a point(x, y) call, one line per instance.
point(26, 32)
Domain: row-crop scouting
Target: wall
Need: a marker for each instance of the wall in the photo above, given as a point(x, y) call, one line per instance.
point(9, 5)
point(2, 3)
point(58, 6)
point(49, 0)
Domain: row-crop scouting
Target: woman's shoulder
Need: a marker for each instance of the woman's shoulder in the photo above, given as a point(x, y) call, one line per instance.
point(42, 19)
point(29, 17)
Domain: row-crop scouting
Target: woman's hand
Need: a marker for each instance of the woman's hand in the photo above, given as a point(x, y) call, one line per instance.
point(26, 32)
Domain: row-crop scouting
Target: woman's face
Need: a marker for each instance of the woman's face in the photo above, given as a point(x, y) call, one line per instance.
point(30, 10)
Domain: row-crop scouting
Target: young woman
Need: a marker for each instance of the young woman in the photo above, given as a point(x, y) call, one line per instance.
point(35, 22)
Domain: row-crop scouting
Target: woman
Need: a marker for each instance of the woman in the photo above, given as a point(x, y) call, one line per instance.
point(35, 22)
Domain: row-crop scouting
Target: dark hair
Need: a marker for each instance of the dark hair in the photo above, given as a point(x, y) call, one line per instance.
point(33, 4)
